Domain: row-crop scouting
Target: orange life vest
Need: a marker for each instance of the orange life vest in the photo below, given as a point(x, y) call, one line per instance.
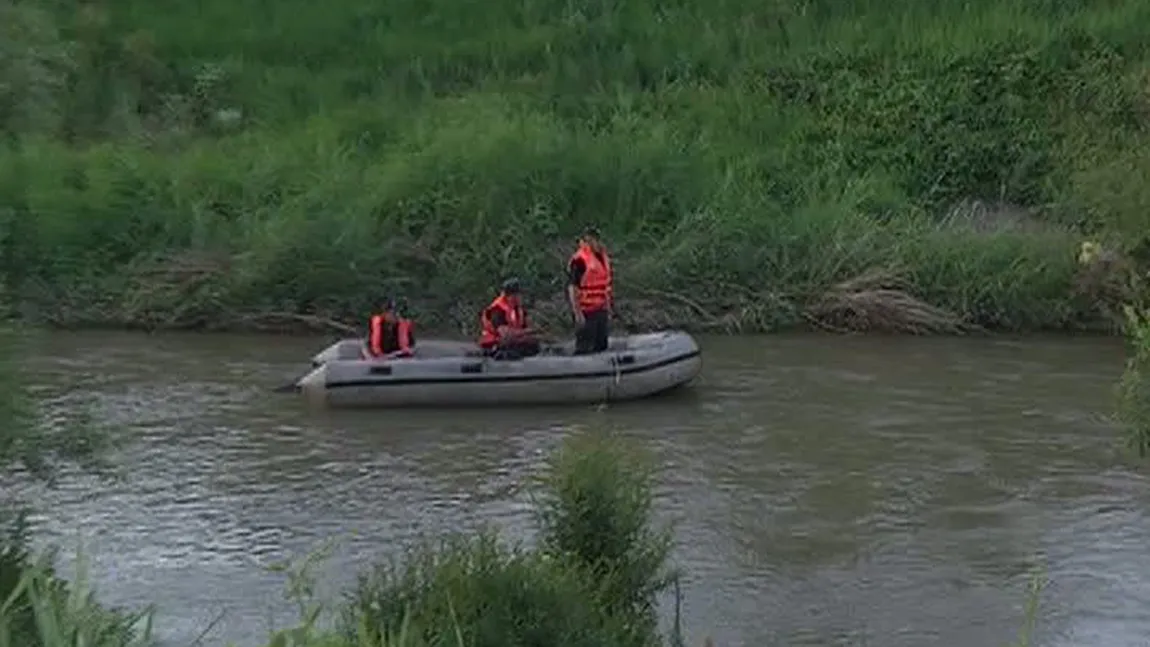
point(515, 316)
point(383, 339)
point(595, 289)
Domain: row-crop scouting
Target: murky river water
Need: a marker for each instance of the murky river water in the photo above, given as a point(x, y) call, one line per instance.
point(893, 492)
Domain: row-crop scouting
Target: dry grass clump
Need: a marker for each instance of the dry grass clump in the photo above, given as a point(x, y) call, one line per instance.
point(880, 300)
point(1108, 278)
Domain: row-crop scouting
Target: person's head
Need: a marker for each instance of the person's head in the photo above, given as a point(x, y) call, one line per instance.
point(511, 290)
point(590, 237)
point(387, 304)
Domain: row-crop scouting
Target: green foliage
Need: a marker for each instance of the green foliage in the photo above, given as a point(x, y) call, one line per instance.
point(473, 591)
point(14, 559)
point(301, 590)
point(592, 581)
point(595, 513)
point(27, 439)
point(17, 416)
point(1134, 388)
point(1030, 615)
point(38, 609)
point(34, 64)
point(744, 158)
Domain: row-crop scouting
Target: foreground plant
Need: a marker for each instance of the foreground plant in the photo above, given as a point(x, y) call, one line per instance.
point(38, 608)
point(595, 512)
point(31, 443)
point(1030, 613)
point(43, 611)
point(592, 581)
point(1134, 388)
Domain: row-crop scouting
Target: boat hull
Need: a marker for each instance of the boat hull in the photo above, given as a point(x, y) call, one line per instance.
point(448, 373)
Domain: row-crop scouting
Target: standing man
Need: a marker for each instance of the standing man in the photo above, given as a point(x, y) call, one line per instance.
point(590, 293)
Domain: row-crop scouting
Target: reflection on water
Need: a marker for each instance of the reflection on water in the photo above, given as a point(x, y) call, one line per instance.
point(824, 490)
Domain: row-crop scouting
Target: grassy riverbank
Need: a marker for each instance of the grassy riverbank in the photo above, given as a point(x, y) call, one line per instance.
point(898, 165)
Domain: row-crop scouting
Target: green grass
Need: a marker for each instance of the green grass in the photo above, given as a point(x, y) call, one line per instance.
point(1133, 409)
point(212, 163)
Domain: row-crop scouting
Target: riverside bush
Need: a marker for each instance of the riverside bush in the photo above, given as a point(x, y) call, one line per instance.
point(594, 511)
point(1134, 387)
point(38, 608)
point(475, 592)
point(592, 580)
point(745, 159)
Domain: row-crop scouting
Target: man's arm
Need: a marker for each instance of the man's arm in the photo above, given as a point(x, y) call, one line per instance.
point(499, 321)
point(575, 270)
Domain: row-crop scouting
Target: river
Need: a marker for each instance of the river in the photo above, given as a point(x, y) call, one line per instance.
point(825, 490)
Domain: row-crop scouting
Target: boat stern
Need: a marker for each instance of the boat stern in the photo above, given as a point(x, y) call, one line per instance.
point(341, 350)
point(692, 366)
point(313, 386)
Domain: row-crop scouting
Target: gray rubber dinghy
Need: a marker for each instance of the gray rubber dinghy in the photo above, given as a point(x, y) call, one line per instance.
point(456, 373)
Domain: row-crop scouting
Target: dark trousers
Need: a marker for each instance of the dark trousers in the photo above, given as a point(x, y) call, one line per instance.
point(593, 335)
point(513, 350)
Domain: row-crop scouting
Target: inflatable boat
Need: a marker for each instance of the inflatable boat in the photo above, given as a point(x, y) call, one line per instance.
point(450, 373)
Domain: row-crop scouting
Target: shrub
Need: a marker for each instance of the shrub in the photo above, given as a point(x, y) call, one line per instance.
point(595, 513)
point(592, 580)
point(39, 609)
point(1134, 388)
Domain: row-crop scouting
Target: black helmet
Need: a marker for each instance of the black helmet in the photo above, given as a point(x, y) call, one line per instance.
point(510, 286)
